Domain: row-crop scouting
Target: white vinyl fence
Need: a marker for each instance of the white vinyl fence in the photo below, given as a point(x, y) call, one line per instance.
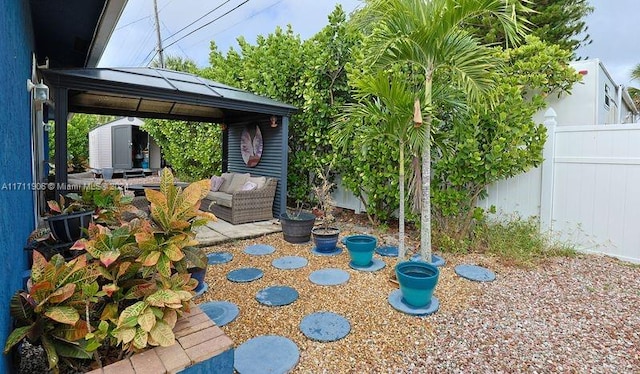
point(587, 191)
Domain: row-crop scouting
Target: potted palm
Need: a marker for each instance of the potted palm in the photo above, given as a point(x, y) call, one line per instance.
point(325, 236)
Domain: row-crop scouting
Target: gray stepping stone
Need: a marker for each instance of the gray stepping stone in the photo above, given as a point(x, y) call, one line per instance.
point(220, 312)
point(435, 259)
point(259, 250)
point(219, 257)
point(337, 251)
point(277, 295)
point(325, 326)
point(397, 302)
point(329, 277)
point(375, 265)
point(387, 250)
point(289, 262)
point(475, 273)
point(244, 275)
point(266, 354)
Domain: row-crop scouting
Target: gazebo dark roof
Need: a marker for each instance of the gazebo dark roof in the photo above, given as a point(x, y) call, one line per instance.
point(158, 93)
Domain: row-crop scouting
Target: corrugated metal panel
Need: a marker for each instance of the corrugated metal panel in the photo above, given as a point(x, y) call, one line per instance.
point(270, 164)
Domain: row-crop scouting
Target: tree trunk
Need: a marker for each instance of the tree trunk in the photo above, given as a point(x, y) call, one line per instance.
point(401, 248)
point(425, 216)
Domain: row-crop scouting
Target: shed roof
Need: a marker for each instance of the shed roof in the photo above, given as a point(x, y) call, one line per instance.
point(158, 93)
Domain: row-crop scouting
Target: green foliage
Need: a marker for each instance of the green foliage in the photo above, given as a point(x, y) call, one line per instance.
point(500, 141)
point(126, 291)
point(310, 75)
point(553, 21)
point(50, 313)
point(517, 241)
point(193, 149)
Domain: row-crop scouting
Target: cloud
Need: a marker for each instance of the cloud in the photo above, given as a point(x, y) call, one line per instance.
point(612, 27)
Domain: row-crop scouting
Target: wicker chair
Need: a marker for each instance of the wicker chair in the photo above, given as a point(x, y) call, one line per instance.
point(246, 206)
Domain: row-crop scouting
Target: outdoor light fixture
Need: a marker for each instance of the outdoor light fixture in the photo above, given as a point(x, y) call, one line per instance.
point(274, 121)
point(40, 91)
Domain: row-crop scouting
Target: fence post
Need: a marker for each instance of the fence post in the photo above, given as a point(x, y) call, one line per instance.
point(548, 172)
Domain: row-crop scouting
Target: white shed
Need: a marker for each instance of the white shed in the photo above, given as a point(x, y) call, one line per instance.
point(122, 145)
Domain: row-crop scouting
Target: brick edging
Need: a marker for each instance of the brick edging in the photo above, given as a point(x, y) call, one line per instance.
point(198, 339)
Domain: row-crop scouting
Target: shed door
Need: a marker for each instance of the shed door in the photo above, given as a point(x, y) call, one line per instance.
point(121, 147)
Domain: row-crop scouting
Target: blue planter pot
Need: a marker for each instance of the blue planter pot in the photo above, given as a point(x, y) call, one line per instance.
point(417, 282)
point(297, 229)
point(198, 274)
point(361, 249)
point(325, 239)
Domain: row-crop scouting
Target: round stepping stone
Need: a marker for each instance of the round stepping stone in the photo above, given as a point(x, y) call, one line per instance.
point(334, 253)
point(289, 262)
point(266, 354)
point(259, 250)
point(219, 257)
point(329, 277)
point(244, 275)
point(387, 250)
point(277, 295)
point(396, 301)
point(435, 259)
point(475, 273)
point(375, 265)
point(325, 326)
point(220, 312)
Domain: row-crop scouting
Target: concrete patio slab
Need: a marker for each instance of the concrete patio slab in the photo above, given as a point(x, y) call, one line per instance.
point(221, 231)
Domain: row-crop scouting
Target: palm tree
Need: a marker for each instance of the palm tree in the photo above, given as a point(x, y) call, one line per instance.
point(635, 92)
point(385, 105)
point(429, 34)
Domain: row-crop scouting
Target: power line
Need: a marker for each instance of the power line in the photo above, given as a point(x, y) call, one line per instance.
point(143, 18)
point(207, 24)
point(191, 24)
point(208, 38)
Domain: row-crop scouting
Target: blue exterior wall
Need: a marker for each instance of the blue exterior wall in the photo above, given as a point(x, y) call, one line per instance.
point(16, 201)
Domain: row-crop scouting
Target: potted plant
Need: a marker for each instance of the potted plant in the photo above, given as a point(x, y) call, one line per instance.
point(296, 226)
point(325, 236)
point(68, 218)
point(123, 294)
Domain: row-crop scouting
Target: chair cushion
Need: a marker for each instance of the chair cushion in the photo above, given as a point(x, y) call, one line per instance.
point(238, 181)
point(228, 178)
point(249, 186)
point(216, 182)
point(259, 181)
point(221, 198)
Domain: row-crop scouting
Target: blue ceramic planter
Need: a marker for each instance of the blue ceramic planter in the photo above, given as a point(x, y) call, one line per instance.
point(417, 282)
point(325, 239)
point(198, 274)
point(361, 249)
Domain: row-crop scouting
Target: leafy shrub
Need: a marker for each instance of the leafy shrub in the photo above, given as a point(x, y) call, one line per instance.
point(126, 291)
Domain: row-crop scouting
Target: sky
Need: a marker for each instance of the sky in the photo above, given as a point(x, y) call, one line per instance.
point(612, 26)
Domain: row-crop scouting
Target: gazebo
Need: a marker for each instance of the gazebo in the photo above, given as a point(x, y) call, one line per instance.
point(166, 94)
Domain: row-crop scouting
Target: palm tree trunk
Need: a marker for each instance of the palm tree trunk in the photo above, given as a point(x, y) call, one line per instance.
point(401, 248)
point(425, 216)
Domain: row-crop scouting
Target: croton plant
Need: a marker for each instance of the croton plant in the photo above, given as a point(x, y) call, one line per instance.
point(125, 291)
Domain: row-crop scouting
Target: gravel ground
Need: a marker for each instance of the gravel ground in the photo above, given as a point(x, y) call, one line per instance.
point(566, 315)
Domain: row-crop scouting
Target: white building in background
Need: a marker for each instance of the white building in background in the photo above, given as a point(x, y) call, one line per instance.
point(596, 100)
